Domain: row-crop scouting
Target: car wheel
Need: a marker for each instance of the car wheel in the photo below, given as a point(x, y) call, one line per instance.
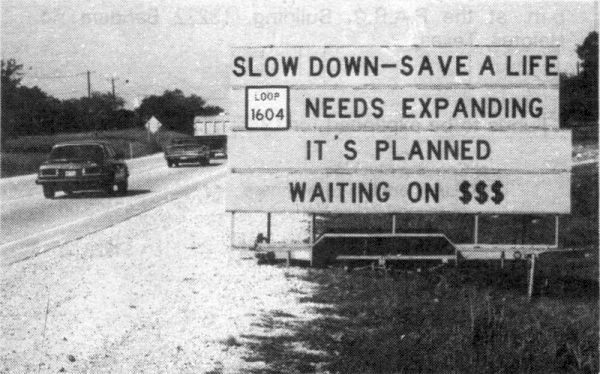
point(109, 187)
point(68, 191)
point(176, 164)
point(204, 161)
point(122, 187)
point(169, 164)
point(48, 192)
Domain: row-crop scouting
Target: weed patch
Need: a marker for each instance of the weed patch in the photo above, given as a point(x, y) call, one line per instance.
point(441, 322)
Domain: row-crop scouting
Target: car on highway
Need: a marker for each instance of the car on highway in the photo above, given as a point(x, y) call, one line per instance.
point(83, 165)
point(183, 150)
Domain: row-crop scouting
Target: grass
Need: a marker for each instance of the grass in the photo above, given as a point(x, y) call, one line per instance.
point(23, 155)
point(18, 163)
point(451, 321)
point(471, 319)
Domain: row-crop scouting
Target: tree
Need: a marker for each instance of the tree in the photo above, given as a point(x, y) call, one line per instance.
point(10, 81)
point(175, 110)
point(11, 74)
point(25, 110)
point(579, 93)
point(35, 111)
point(588, 54)
point(102, 107)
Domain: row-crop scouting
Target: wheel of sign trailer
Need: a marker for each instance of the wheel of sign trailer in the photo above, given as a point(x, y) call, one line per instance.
point(48, 192)
point(122, 187)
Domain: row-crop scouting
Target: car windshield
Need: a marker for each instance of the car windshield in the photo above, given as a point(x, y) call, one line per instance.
point(77, 152)
point(185, 143)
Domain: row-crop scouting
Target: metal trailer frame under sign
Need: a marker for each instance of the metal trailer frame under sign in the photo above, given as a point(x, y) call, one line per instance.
point(469, 251)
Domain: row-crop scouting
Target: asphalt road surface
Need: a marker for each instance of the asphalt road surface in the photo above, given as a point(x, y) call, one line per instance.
point(31, 224)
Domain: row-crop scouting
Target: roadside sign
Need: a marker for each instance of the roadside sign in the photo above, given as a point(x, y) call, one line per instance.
point(464, 129)
point(153, 125)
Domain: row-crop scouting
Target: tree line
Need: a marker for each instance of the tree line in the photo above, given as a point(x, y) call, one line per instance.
point(31, 111)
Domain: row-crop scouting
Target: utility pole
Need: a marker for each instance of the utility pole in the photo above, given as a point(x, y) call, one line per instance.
point(114, 95)
point(89, 85)
point(89, 89)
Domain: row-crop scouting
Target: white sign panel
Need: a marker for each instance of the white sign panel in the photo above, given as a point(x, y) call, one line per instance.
point(395, 65)
point(393, 193)
point(408, 150)
point(153, 125)
point(400, 107)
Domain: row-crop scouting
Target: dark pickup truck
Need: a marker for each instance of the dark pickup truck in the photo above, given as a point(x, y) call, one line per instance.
point(182, 150)
point(83, 165)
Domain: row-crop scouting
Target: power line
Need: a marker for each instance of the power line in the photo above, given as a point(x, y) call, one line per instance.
point(55, 76)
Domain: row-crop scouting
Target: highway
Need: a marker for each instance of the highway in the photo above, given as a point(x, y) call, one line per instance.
point(31, 224)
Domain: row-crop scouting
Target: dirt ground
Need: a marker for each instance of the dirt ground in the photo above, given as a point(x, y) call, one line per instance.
point(161, 292)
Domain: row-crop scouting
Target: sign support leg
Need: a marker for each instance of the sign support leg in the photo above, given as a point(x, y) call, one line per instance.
point(393, 223)
point(312, 229)
point(476, 230)
point(231, 238)
point(312, 237)
point(556, 223)
point(523, 229)
point(531, 276)
point(268, 227)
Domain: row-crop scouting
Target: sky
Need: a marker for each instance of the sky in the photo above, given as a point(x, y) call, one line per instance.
point(150, 46)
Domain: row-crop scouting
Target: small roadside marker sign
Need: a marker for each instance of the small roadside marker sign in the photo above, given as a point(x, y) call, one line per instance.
point(153, 125)
point(267, 107)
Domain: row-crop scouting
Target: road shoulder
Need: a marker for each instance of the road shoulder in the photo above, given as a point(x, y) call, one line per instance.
point(160, 292)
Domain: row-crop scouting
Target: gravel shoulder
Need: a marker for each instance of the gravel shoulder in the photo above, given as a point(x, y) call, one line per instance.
point(161, 292)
